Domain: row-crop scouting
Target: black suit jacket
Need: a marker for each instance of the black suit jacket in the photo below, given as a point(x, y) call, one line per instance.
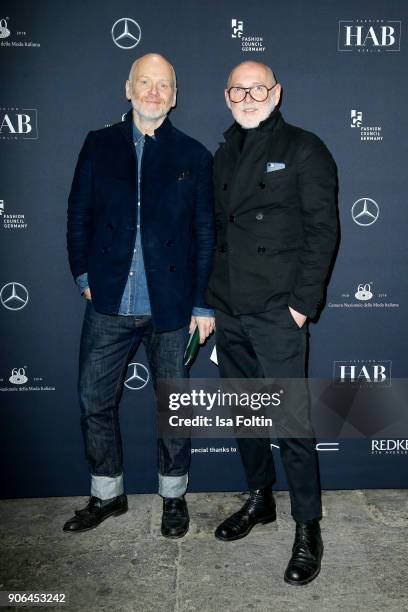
point(176, 219)
point(276, 231)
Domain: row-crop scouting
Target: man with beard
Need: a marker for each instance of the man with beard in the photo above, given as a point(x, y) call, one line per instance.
point(276, 219)
point(140, 238)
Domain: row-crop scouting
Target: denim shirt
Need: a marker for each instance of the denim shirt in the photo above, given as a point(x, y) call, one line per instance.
point(135, 299)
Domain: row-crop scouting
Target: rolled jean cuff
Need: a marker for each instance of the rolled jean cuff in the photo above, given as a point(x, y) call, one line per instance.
point(106, 487)
point(172, 486)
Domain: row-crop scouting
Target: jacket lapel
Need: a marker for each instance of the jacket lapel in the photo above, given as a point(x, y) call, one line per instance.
point(244, 168)
point(126, 130)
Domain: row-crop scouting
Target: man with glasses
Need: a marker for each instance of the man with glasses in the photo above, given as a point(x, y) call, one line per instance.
point(275, 205)
point(140, 239)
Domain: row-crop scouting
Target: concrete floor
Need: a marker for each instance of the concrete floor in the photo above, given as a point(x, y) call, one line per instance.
point(125, 564)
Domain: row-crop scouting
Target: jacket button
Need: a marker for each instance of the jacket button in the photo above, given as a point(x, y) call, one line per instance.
point(261, 250)
point(169, 243)
point(105, 250)
point(262, 185)
point(172, 268)
point(259, 217)
point(110, 226)
point(231, 218)
point(222, 249)
point(225, 187)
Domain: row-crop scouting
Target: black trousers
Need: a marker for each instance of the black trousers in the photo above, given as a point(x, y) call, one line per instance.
point(271, 345)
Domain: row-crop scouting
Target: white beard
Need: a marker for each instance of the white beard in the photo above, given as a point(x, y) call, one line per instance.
point(249, 122)
point(147, 115)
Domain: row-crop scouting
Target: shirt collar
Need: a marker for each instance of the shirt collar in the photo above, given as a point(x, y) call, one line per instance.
point(137, 134)
point(271, 123)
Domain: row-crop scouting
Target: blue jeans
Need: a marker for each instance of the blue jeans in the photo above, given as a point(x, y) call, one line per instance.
point(108, 343)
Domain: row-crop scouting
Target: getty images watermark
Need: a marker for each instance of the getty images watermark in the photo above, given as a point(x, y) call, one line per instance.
point(222, 408)
point(199, 398)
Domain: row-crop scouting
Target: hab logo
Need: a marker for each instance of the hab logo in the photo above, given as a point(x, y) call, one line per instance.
point(4, 31)
point(126, 33)
point(369, 35)
point(18, 377)
point(237, 28)
point(360, 372)
point(16, 123)
point(363, 292)
point(356, 118)
point(139, 377)
point(14, 296)
point(389, 447)
point(365, 212)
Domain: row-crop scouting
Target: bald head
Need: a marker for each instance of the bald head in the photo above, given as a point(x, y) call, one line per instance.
point(153, 62)
point(240, 71)
point(248, 109)
point(151, 87)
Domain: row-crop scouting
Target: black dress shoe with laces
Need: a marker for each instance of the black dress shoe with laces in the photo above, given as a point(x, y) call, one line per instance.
point(175, 519)
point(95, 512)
point(259, 508)
point(307, 552)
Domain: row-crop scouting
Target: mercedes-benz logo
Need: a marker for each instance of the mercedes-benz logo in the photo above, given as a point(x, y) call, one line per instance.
point(139, 377)
point(14, 296)
point(365, 211)
point(126, 33)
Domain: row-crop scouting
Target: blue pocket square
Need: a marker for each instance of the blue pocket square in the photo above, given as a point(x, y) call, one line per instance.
point(272, 166)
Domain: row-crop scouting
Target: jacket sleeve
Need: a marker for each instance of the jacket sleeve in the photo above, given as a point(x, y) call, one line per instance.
point(317, 185)
point(203, 229)
point(80, 211)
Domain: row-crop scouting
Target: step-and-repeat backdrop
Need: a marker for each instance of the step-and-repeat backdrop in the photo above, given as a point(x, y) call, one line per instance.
point(343, 68)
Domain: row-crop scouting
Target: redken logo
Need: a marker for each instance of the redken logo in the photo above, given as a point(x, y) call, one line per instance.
point(389, 447)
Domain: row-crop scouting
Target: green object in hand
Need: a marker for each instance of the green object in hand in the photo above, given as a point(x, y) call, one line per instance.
point(192, 347)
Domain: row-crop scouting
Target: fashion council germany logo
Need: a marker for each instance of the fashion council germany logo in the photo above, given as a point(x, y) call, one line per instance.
point(369, 35)
point(126, 33)
point(14, 296)
point(138, 378)
point(11, 220)
point(253, 43)
point(237, 28)
point(368, 133)
point(365, 211)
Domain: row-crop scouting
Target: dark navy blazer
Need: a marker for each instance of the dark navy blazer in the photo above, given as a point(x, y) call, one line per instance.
point(176, 219)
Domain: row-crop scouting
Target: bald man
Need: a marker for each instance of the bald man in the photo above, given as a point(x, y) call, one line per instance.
point(275, 206)
point(140, 237)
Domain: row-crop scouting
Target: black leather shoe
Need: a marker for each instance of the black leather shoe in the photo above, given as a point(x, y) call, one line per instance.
point(307, 552)
point(175, 519)
point(95, 512)
point(259, 508)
